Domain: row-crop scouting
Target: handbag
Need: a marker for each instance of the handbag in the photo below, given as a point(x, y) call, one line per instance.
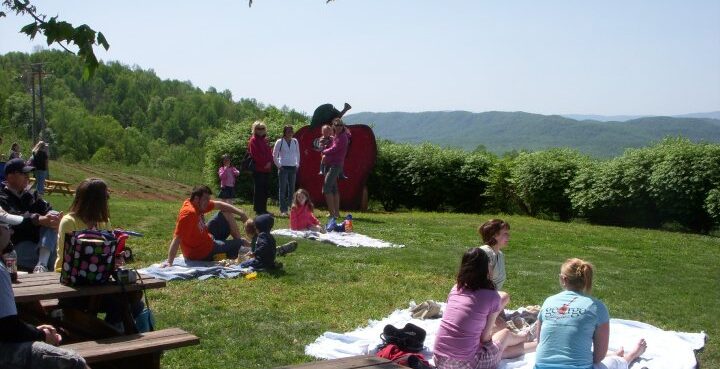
point(88, 258)
point(248, 163)
point(145, 321)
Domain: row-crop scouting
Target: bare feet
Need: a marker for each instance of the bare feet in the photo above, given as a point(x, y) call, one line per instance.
point(636, 352)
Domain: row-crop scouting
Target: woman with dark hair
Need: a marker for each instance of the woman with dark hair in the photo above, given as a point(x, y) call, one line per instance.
point(495, 234)
point(334, 159)
point(286, 154)
point(40, 162)
point(465, 338)
point(89, 210)
point(262, 158)
point(574, 327)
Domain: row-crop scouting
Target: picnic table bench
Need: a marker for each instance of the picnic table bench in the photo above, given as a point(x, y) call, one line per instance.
point(56, 186)
point(37, 298)
point(354, 362)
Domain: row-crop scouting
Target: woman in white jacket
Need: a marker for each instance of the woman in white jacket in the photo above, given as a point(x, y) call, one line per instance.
point(286, 155)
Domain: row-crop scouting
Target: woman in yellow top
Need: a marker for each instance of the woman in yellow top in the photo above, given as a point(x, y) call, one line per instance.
point(89, 210)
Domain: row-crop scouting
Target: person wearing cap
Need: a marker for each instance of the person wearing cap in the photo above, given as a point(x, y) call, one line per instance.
point(35, 239)
point(22, 345)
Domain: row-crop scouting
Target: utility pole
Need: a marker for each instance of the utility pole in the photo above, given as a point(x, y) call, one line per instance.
point(38, 128)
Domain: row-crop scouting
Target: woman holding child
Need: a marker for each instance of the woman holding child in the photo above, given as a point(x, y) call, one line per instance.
point(334, 160)
point(574, 327)
point(465, 338)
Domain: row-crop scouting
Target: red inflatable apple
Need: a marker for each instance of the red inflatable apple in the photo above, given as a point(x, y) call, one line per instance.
point(359, 161)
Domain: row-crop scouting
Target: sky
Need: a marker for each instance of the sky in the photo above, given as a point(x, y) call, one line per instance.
point(642, 57)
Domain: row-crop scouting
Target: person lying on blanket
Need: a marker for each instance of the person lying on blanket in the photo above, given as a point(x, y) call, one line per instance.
point(465, 338)
point(199, 240)
point(22, 345)
point(574, 327)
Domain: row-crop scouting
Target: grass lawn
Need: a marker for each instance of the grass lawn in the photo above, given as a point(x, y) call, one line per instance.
point(670, 280)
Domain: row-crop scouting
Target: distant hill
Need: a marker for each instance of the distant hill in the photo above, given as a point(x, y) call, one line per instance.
point(624, 118)
point(506, 131)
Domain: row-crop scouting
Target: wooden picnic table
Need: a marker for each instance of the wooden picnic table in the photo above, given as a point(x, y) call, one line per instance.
point(56, 186)
point(37, 298)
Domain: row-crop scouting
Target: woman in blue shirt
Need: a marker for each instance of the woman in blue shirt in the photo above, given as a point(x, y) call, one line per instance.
point(574, 327)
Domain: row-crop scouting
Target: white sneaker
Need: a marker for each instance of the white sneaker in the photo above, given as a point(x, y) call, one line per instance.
point(40, 269)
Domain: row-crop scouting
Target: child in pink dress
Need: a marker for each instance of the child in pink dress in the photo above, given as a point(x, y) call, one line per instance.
point(301, 213)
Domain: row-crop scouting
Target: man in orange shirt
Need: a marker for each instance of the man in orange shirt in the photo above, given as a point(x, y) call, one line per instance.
point(199, 240)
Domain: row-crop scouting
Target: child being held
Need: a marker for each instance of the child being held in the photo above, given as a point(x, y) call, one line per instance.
point(301, 213)
point(323, 143)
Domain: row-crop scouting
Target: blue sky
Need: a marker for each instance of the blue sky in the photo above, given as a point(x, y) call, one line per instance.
point(549, 57)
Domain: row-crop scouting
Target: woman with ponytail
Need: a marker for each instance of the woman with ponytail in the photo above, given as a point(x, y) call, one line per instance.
point(574, 327)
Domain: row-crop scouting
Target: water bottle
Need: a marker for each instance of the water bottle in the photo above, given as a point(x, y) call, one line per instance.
point(348, 223)
point(10, 260)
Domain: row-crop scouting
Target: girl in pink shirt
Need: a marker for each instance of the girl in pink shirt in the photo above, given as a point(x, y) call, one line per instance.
point(301, 213)
point(465, 338)
point(228, 174)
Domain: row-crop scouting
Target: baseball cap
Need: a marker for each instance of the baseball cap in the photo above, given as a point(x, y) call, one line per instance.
point(10, 219)
point(17, 166)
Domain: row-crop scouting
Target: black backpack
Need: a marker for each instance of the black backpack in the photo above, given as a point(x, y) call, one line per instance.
point(410, 338)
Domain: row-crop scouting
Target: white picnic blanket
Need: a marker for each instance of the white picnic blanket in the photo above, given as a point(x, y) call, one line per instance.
point(666, 349)
point(344, 239)
point(190, 269)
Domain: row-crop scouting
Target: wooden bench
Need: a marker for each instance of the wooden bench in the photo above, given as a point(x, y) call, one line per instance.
point(354, 362)
point(145, 347)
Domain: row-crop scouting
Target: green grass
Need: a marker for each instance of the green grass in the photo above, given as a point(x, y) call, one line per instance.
point(670, 280)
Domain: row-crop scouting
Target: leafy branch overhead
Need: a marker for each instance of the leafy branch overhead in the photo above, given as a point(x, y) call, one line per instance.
point(60, 32)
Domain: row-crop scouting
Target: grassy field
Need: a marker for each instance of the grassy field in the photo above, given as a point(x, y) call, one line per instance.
point(670, 280)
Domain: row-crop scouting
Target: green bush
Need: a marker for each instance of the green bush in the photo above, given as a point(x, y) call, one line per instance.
point(385, 183)
point(500, 194)
point(712, 205)
point(616, 191)
point(428, 177)
point(542, 179)
point(682, 177)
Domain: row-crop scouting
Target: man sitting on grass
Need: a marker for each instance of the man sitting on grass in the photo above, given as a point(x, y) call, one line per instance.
point(35, 239)
point(199, 240)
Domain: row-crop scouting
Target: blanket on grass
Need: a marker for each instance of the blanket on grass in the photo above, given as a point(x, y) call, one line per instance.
point(666, 349)
point(183, 270)
point(344, 239)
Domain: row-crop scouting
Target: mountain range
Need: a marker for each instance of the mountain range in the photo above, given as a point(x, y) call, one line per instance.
point(501, 132)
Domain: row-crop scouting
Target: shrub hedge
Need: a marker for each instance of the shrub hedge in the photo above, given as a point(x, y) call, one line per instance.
point(674, 181)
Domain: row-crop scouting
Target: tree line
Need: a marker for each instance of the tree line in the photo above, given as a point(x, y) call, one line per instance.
point(123, 114)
